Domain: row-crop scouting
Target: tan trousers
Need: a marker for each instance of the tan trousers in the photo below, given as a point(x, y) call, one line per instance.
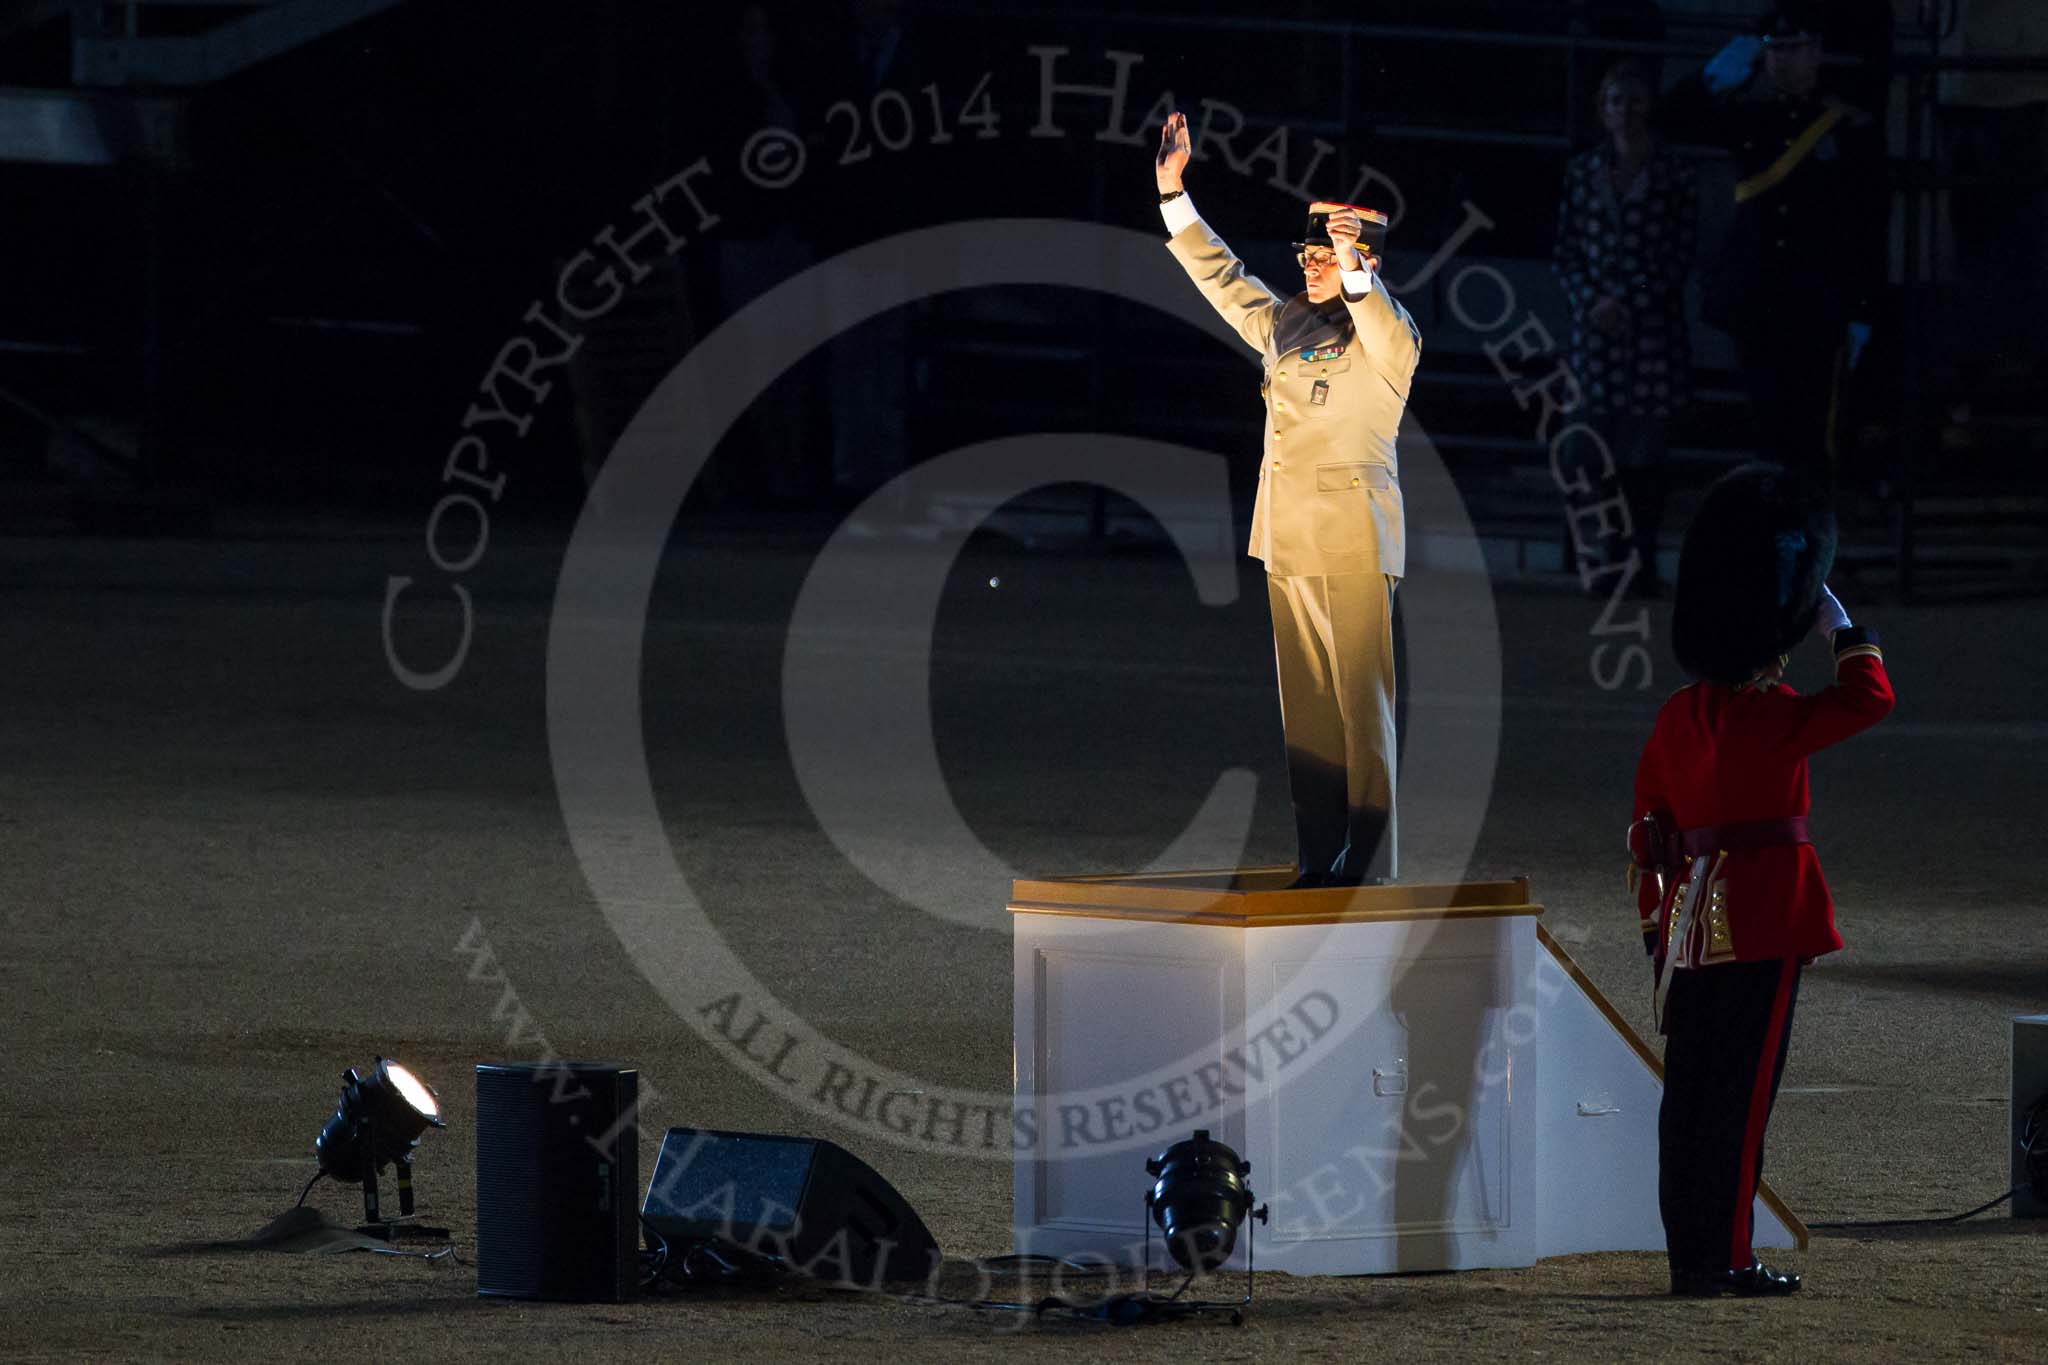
point(1333, 639)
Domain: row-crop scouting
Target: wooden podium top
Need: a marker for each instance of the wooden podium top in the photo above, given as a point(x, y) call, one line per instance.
point(1258, 897)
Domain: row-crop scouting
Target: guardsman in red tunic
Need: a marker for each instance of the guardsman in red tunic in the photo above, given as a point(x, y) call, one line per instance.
point(1727, 882)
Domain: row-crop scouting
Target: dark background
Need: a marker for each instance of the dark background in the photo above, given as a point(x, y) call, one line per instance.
point(237, 854)
point(291, 308)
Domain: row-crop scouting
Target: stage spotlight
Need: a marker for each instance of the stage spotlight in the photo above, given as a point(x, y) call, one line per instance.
point(378, 1123)
point(1198, 1200)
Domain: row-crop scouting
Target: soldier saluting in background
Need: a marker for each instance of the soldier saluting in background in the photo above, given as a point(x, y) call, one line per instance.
point(1795, 280)
point(1337, 361)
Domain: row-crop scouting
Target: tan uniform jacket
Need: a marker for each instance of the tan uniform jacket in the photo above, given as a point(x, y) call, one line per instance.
point(1329, 497)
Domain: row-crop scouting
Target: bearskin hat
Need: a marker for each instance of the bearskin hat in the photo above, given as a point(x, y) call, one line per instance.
point(1751, 572)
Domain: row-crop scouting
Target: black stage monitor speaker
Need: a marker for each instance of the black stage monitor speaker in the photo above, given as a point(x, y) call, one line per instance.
point(557, 1165)
point(810, 1204)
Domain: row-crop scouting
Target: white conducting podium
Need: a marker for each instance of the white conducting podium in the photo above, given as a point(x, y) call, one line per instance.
point(1420, 1077)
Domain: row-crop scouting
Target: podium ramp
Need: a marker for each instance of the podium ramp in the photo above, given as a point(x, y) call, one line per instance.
point(1597, 1093)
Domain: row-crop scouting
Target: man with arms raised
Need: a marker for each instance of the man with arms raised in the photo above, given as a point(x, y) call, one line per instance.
point(1338, 359)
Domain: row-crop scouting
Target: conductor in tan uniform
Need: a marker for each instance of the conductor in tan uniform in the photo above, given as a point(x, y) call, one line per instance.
point(1338, 358)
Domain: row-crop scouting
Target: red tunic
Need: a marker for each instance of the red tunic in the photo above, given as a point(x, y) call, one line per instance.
point(1723, 756)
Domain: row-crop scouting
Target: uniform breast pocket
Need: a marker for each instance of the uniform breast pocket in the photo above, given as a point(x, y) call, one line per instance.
point(1325, 383)
point(1344, 513)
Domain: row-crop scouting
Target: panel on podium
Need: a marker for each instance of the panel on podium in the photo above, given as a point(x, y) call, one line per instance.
point(1400, 1134)
point(1107, 1018)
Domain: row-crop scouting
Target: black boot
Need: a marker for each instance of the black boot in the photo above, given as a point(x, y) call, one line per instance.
point(1754, 1280)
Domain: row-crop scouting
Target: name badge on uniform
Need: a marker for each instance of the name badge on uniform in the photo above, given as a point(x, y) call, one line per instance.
point(1319, 394)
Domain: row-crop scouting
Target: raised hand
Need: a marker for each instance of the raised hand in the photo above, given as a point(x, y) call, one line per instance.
point(1344, 227)
point(1831, 615)
point(1174, 151)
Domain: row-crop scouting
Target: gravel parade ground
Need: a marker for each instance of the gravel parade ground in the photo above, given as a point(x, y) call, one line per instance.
point(239, 856)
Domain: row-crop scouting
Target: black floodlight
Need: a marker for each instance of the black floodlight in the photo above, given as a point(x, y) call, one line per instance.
point(378, 1123)
point(1198, 1200)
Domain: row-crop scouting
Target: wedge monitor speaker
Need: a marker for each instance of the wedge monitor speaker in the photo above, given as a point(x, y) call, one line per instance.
point(808, 1204)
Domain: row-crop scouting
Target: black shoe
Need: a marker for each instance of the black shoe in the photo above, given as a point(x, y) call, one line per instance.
point(1312, 881)
point(1346, 871)
point(1755, 1280)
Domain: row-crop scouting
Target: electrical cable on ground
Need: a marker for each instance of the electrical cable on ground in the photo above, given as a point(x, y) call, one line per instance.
point(2033, 1146)
point(1916, 1222)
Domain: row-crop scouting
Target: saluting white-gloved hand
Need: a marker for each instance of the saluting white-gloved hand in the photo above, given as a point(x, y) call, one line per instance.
point(1829, 617)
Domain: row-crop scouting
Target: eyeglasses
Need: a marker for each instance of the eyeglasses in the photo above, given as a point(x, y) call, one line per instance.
point(1315, 260)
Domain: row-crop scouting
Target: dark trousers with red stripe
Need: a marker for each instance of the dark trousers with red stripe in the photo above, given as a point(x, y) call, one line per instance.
point(1725, 1029)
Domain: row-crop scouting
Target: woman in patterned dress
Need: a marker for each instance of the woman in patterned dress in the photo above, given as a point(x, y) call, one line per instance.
point(1626, 230)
